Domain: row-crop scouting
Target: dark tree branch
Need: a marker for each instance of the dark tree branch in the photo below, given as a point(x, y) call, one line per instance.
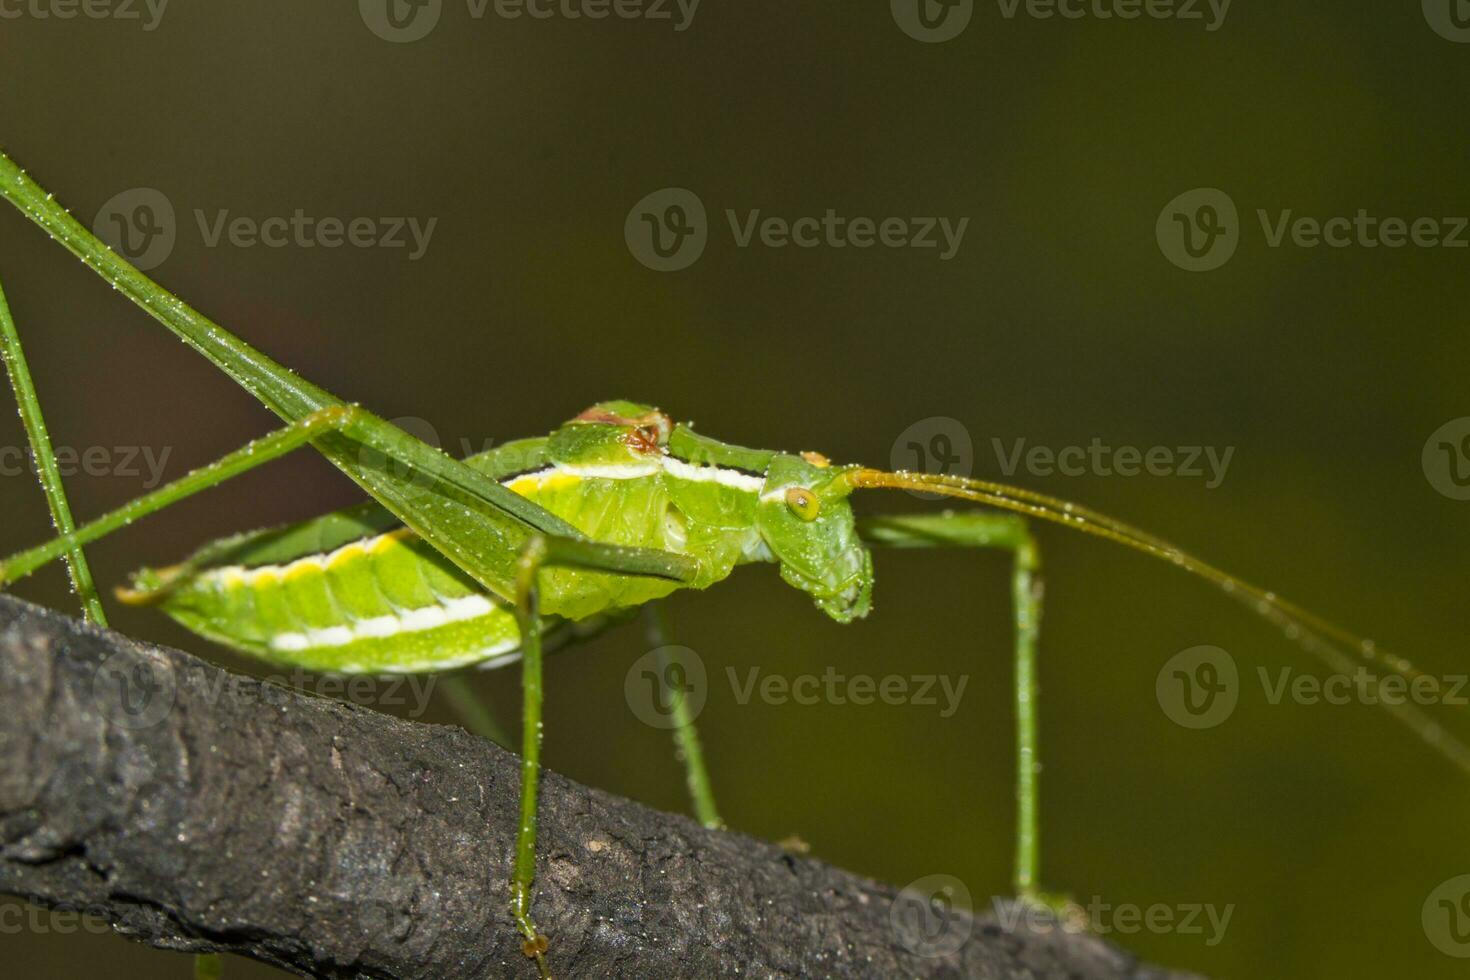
point(198, 810)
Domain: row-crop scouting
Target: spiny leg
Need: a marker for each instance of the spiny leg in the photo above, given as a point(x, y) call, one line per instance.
point(523, 873)
point(207, 966)
point(253, 454)
point(540, 552)
point(473, 712)
point(686, 737)
point(979, 529)
point(35, 426)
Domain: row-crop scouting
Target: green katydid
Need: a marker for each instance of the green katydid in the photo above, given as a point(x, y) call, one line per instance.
point(477, 561)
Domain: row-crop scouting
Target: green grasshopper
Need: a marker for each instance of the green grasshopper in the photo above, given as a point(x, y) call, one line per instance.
point(483, 560)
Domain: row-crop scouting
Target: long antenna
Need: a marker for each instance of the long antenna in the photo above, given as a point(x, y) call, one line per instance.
point(1323, 639)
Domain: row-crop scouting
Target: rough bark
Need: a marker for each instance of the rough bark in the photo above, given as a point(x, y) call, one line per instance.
point(198, 810)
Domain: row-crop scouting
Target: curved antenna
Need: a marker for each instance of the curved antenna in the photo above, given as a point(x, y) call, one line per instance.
point(1319, 637)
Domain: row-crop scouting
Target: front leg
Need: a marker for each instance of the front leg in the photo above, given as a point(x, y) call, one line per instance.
point(985, 529)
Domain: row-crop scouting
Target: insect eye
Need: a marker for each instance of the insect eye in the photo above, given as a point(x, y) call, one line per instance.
point(803, 502)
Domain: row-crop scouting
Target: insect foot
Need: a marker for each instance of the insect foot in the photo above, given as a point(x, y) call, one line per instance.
point(536, 943)
point(536, 949)
point(1062, 906)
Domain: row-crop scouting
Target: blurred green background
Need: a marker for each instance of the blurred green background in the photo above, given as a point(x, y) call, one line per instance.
point(1059, 320)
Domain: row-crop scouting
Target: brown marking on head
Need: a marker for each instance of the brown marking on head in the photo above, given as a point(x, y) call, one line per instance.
point(816, 459)
point(649, 431)
point(644, 439)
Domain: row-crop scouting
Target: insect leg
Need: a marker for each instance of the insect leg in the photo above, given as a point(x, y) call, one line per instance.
point(472, 710)
point(545, 551)
point(35, 426)
point(980, 529)
point(253, 454)
point(686, 737)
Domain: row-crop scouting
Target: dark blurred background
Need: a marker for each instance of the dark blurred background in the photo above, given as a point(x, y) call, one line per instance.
point(1060, 319)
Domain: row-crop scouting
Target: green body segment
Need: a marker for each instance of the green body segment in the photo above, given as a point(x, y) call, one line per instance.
point(356, 592)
